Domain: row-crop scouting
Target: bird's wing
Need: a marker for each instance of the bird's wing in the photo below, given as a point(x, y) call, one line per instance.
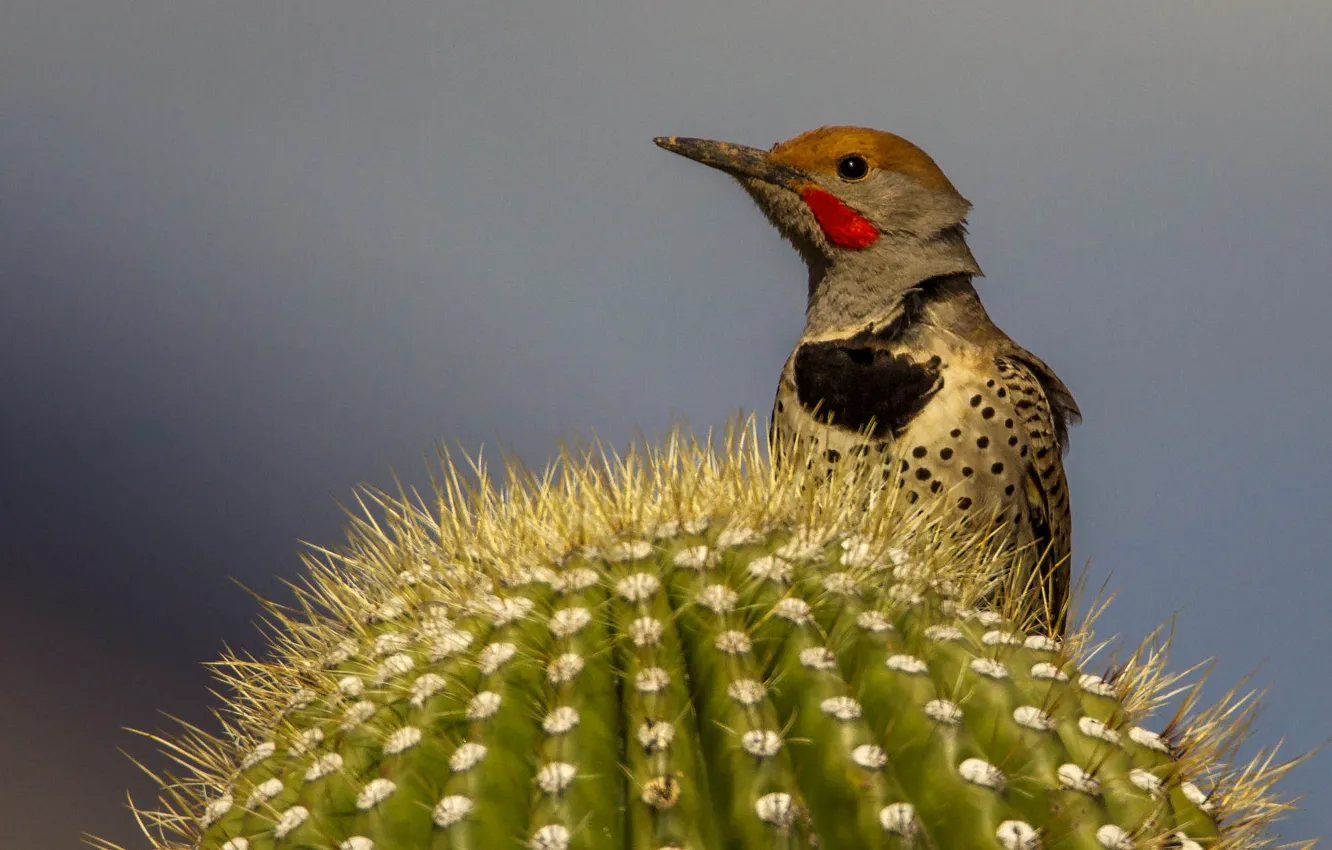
point(1063, 407)
point(1045, 408)
point(1054, 572)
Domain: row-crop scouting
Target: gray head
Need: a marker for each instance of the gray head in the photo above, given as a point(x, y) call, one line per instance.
point(871, 214)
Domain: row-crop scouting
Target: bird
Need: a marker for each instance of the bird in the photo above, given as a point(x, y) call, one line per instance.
point(898, 359)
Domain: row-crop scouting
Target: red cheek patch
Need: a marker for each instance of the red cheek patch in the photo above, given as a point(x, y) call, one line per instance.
point(842, 225)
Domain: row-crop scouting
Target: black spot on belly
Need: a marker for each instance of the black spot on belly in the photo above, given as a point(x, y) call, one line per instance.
point(851, 385)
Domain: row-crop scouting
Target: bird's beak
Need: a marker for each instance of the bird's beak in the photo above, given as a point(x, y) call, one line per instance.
point(736, 160)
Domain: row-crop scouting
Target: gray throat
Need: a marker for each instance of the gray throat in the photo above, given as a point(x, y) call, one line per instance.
point(870, 288)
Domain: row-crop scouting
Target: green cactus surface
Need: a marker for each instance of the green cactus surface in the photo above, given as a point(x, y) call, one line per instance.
point(688, 649)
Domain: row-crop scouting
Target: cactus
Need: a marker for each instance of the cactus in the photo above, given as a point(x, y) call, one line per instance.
point(684, 648)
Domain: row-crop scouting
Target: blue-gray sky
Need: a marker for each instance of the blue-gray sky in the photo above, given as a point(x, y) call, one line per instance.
point(253, 253)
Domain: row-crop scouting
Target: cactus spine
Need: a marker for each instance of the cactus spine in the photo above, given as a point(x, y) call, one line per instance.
point(685, 649)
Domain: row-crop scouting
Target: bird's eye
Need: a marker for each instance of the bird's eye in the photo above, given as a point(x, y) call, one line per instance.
point(852, 167)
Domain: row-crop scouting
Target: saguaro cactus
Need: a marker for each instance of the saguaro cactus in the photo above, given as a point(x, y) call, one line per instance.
point(690, 649)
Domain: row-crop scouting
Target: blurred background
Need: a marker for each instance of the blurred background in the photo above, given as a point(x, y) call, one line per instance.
point(254, 253)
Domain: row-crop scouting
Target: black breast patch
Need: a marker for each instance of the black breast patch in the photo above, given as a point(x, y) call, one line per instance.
point(852, 384)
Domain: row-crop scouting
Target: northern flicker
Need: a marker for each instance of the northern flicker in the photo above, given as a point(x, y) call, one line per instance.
point(898, 347)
